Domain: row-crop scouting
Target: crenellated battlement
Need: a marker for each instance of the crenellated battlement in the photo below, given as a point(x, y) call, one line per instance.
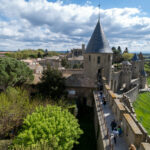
point(124, 114)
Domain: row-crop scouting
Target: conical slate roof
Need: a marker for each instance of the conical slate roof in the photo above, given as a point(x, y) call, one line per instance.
point(135, 57)
point(98, 42)
point(141, 57)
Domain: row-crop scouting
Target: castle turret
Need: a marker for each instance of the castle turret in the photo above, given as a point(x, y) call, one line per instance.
point(126, 74)
point(135, 66)
point(143, 74)
point(141, 63)
point(98, 56)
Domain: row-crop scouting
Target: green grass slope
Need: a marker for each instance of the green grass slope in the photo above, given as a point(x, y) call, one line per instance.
point(142, 109)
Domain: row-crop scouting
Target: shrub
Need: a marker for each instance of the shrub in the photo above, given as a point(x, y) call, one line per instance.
point(14, 106)
point(127, 56)
point(14, 72)
point(53, 125)
point(52, 84)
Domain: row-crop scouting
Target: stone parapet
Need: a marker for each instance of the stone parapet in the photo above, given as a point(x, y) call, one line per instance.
point(132, 132)
point(145, 146)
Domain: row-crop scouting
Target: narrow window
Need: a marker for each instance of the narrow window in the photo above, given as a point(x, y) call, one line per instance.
point(89, 58)
point(98, 60)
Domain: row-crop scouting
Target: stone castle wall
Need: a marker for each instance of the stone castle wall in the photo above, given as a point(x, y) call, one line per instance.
point(134, 133)
point(132, 94)
point(72, 71)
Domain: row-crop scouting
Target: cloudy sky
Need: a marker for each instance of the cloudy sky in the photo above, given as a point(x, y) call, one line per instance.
point(66, 24)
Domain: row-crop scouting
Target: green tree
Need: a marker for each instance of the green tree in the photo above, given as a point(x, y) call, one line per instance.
point(119, 50)
point(45, 53)
point(65, 63)
point(114, 50)
point(39, 55)
point(127, 56)
point(126, 50)
point(51, 124)
point(52, 84)
point(117, 54)
point(14, 72)
point(14, 106)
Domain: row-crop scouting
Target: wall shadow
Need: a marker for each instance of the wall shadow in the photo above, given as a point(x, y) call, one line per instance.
point(86, 120)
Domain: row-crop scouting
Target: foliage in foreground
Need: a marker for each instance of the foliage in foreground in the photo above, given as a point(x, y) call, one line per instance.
point(14, 106)
point(142, 109)
point(38, 146)
point(13, 72)
point(53, 125)
point(52, 84)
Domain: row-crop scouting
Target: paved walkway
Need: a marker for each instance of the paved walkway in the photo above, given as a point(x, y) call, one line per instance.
point(121, 143)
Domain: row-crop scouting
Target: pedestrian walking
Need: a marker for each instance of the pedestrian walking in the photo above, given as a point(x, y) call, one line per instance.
point(104, 101)
point(115, 134)
point(113, 125)
point(101, 94)
point(120, 130)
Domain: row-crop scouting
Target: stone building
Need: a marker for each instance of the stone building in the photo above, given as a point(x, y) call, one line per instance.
point(77, 52)
point(98, 56)
point(75, 61)
point(98, 64)
point(97, 61)
point(54, 62)
point(120, 88)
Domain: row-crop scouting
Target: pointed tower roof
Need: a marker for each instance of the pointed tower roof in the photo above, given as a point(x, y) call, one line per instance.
point(98, 42)
point(141, 57)
point(135, 57)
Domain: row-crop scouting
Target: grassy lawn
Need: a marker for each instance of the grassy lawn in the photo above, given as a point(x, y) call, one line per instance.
point(142, 109)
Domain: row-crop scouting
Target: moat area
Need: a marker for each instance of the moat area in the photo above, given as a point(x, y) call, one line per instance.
point(87, 140)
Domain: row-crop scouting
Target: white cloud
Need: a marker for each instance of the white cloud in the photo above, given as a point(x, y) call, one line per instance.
point(43, 24)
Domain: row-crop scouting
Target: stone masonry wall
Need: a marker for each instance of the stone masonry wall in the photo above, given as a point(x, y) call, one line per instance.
point(132, 94)
point(122, 108)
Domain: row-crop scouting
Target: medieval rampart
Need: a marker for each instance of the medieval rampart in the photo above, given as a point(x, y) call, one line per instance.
point(72, 71)
point(132, 94)
point(133, 131)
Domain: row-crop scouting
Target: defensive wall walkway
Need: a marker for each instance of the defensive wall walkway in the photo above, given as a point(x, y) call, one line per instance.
point(106, 117)
point(109, 117)
point(120, 109)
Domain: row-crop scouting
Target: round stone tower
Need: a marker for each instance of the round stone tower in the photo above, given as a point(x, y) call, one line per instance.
point(98, 56)
point(126, 74)
point(135, 66)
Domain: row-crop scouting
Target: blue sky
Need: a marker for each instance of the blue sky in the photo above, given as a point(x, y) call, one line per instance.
point(63, 25)
point(106, 4)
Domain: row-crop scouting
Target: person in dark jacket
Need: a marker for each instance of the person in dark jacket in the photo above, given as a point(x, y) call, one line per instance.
point(113, 125)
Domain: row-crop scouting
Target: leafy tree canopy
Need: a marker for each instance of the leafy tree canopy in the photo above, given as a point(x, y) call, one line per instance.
point(64, 63)
point(126, 50)
point(14, 106)
point(52, 84)
point(13, 72)
point(51, 124)
point(127, 56)
point(117, 51)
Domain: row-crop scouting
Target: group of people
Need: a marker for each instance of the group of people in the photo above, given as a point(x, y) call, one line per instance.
point(103, 98)
point(117, 131)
